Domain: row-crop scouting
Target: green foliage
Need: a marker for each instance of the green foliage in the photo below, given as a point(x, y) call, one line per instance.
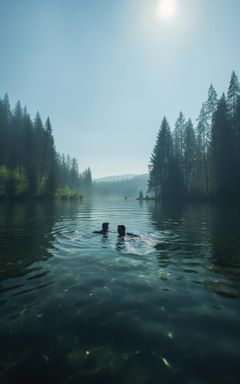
point(140, 196)
point(29, 163)
point(178, 137)
point(189, 158)
point(224, 154)
point(124, 187)
point(233, 94)
point(162, 164)
point(3, 181)
point(65, 193)
point(206, 160)
point(13, 183)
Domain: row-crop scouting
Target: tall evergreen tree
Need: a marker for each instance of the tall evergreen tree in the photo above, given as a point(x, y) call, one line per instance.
point(40, 149)
point(50, 166)
point(236, 128)
point(202, 150)
point(5, 119)
point(161, 163)
point(233, 94)
point(211, 106)
point(203, 138)
point(29, 153)
point(223, 148)
point(189, 158)
point(86, 180)
point(178, 137)
point(17, 137)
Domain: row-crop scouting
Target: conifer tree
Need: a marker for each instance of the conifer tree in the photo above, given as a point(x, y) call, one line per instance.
point(211, 106)
point(203, 138)
point(223, 148)
point(5, 119)
point(236, 129)
point(161, 163)
point(50, 167)
point(16, 137)
point(178, 137)
point(202, 150)
point(233, 93)
point(189, 157)
point(40, 149)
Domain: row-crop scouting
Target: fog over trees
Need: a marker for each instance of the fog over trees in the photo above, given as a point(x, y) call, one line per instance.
point(126, 187)
point(30, 166)
point(198, 160)
point(201, 161)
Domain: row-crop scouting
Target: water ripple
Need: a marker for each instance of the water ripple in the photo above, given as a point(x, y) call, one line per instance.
point(80, 307)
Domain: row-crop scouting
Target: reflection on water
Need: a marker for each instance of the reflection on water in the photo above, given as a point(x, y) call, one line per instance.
point(78, 307)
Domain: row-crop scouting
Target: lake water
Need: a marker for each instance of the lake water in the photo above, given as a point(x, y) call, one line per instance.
point(82, 308)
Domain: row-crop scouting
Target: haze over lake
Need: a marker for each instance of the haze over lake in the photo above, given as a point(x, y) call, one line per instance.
point(78, 307)
point(119, 114)
point(106, 72)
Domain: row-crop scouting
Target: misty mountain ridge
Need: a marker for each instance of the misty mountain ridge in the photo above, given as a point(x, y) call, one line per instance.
point(121, 185)
point(110, 179)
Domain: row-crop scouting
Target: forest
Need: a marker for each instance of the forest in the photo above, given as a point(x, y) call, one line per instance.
point(191, 162)
point(200, 161)
point(122, 188)
point(30, 165)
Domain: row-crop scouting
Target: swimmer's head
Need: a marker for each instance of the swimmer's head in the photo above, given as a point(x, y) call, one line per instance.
point(105, 227)
point(121, 230)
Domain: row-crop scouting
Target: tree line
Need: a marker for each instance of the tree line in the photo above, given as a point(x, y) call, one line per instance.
point(201, 161)
point(125, 187)
point(30, 166)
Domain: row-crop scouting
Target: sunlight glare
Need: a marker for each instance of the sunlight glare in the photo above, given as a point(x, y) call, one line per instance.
point(167, 8)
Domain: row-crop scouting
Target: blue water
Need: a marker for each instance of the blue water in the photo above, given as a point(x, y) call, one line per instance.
point(76, 307)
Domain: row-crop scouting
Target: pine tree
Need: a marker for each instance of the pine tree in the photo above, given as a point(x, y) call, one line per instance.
point(50, 161)
point(189, 159)
point(236, 128)
point(202, 150)
point(86, 180)
point(203, 138)
point(223, 148)
point(233, 93)
point(40, 149)
point(211, 106)
point(5, 120)
point(74, 175)
point(161, 163)
point(16, 137)
point(178, 136)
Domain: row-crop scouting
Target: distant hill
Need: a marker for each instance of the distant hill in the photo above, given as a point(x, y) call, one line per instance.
point(122, 185)
point(109, 179)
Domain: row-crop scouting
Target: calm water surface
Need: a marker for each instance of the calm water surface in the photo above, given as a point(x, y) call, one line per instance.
point(82, 308)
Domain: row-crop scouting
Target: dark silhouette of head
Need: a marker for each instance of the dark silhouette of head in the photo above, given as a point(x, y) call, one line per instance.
point(105, 227)
point(121, 230)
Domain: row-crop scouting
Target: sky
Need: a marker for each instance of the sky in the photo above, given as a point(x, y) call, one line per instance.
point(106, 72)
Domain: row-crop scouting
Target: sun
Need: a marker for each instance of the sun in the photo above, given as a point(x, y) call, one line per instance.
point(167, 8)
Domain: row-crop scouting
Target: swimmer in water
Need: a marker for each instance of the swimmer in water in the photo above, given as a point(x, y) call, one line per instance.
point(122, 231)
point(104, 230)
